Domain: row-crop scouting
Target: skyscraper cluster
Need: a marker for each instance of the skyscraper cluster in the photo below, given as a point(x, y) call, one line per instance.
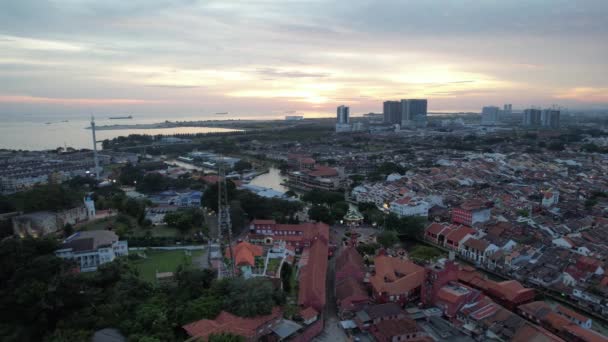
point(407, 112)
point(546, 118)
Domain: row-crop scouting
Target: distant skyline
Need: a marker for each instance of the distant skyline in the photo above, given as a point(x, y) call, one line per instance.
point(269, 57)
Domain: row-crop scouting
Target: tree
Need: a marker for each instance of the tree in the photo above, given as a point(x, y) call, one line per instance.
point(210, 196)
point(250, 298)
point(320, 213)
point(388, 238)
point(68, 230)
point(152, 182)
point(242, 165)
point(286, 271)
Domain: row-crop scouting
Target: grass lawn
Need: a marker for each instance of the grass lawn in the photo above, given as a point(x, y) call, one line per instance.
point(162, 261)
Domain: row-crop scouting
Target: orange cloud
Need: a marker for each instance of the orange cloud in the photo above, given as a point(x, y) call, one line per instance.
point(585, 94)
point(73, 101)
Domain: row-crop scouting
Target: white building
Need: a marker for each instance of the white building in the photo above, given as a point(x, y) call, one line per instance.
point(410, 206)
point(550, 198)
point(92, 248)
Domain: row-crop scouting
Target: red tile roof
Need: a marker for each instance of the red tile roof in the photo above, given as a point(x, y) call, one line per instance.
point(226, 322)
point(322, 171)
point(586, 335)
point(387, 329)
point(244, 253)
point(313, 275)
point(395, 275)
point(308, 313)
point(459, 233)
point(476, 244)
point(570, 314)
point(533, 333)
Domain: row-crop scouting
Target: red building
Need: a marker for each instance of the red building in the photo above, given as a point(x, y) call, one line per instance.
point(313, 275)
point(509, 293)
point(471, 212)
point(396, 280)
point(252, 329)
point(296, 235)
point(350, 264)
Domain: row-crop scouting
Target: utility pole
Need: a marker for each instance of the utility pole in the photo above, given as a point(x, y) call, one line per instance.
point(95, 149)
point(223, 218)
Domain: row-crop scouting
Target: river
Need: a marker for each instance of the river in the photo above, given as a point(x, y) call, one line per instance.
point(272, 179)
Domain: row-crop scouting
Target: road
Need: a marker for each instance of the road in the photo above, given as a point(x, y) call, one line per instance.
point(332, 331)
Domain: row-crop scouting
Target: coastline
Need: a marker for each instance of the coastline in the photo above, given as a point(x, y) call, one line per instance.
point(174, 124)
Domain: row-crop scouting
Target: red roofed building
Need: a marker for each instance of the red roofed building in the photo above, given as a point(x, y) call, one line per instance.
point(574, 333)
point(244, 253)
point(296, 235)
point(456, 237)
point(351, 296)
point(252, 329)
point(471, 212)
point(404, 329)
point(396, 280)
point(312, 276)
point(307, 175)
point(350, 264)
point(437, 232)
point(509, 294)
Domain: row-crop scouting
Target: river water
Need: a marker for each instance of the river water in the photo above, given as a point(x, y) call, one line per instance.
point(272, 179)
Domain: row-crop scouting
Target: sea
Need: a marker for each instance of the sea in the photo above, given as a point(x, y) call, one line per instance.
point(44, 132)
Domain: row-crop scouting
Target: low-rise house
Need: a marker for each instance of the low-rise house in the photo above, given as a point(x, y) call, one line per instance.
point(404, 329)
point(477, 250)
point(456, 237)
point(374, 314)
point(351, 296)
point(92, 248)
point(574, 317)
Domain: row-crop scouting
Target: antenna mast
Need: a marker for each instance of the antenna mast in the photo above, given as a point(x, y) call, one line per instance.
point(223, 217)
point(95, 149)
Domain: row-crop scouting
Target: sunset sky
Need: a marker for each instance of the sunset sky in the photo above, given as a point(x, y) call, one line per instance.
point(268, 57)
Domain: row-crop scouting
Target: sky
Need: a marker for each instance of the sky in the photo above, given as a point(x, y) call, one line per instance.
point(269, 58)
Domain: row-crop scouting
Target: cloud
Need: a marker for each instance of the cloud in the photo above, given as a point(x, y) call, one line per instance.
point(74, 101)
point(585, 94)
point(273, 72)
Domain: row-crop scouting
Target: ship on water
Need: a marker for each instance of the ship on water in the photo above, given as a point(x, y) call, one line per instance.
point(121, 117)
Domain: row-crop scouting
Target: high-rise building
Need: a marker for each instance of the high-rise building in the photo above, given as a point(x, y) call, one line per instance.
point(343, 115)
point(413, 112)
point(508, 109)
point(392, 112)
point(489, 115)
point(549, 118)
point(531, 117)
